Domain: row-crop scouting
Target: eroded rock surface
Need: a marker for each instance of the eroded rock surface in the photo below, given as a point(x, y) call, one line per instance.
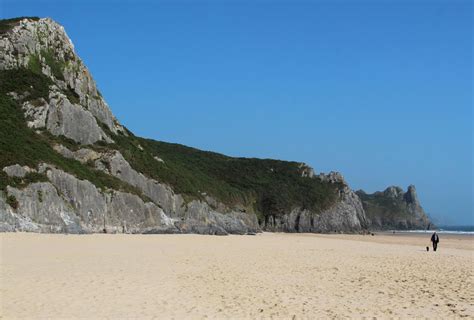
point(395, 209)
point(40, 208)
point(346, 215)
point(115, 164)
point(45, 43)
point(68, 204)
point(17, 171)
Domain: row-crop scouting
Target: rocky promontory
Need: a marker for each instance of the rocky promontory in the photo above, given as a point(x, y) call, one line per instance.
point(68, 165)
point(394, 209)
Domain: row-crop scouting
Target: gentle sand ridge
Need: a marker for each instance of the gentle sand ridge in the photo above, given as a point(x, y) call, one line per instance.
point(281, 276)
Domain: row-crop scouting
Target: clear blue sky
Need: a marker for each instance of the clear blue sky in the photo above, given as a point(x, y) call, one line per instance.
point(379, 90)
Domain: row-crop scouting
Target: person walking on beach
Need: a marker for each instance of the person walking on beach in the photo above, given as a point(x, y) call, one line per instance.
point(435, 240)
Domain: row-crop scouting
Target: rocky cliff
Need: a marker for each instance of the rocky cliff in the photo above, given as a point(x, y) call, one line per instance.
point(344, 215)
point(68, 165)
point(394, 209)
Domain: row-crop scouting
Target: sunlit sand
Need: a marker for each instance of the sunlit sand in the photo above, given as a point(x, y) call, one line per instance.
point(281, 276)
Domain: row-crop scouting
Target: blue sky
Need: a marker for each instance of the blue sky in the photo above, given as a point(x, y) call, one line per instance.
point(378, 90)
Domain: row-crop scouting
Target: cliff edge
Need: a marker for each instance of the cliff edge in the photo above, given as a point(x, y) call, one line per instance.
point(68, 165)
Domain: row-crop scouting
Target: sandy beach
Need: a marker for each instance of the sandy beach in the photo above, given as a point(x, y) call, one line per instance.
point(279, 276)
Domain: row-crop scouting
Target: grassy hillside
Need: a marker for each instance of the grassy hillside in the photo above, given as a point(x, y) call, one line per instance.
point(267, 187)
point(263, 186)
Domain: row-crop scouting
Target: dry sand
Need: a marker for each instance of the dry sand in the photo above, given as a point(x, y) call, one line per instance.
point(281, 276)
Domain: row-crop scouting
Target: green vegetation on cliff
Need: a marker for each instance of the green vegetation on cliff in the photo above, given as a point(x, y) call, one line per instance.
point(389, 211)
point(267, 187)
point(277, 185)
point(264, 186)
point(22, 145)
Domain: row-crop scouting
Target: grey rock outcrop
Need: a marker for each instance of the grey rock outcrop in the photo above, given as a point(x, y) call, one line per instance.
point(332, 177)
point(200, 218)
point(36, 115)
point(197, 216)
point(394, 209)
point(41, 39)
point(63, 118)
point(8, 222)
point(112, 210)
point(306, 171)
point(88, 202)
point(72, 121)
point(82, 155)
point(41, 209)
point(158, 159)
point(135, 215)
point(17, 171)
point(346, 215)
point(115, 164)
point(68, 204)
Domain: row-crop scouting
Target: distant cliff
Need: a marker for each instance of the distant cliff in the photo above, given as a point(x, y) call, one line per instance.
point(68, 165)
point(394, 209)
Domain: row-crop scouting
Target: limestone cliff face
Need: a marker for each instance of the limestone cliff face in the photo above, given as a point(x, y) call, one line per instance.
point(346, 215)
point(67, 204)
point(394, 209)
point(75, 109)
point(43, 44)
point(50, 197)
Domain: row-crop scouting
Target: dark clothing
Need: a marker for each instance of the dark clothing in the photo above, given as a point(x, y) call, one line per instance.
point(435, 240)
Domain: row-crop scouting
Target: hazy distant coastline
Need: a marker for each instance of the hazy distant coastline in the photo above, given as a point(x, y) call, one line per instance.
point(468, 230)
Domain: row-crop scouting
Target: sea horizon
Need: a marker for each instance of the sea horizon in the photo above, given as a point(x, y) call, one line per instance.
point(444, 229)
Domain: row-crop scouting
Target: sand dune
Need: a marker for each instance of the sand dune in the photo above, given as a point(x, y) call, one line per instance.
point(280, 276)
